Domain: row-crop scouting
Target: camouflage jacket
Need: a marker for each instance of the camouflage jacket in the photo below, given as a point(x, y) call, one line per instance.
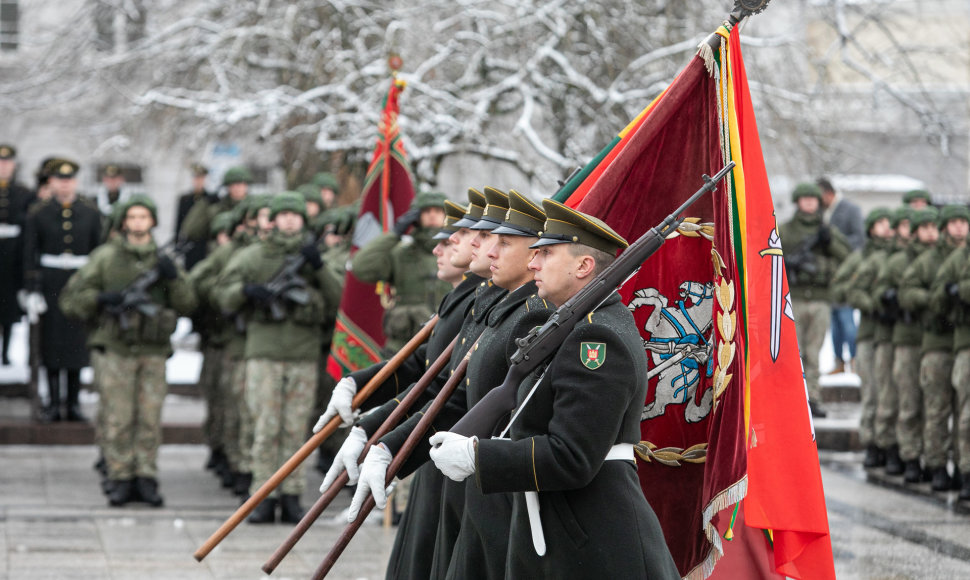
point(111, 269)
point(954, 270)
point(862, 291)
point(817, 261)
point(907, 330)
point(222, 329)
point(914, 295)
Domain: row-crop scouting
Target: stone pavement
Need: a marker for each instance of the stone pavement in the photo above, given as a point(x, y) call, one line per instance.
point(55, 524)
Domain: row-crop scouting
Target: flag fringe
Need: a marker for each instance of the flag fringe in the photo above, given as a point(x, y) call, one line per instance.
point(726, 498)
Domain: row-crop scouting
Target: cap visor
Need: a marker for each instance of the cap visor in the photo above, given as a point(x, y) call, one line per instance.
point(548, 242)
point(507, 229)
point(485, 224)
point(465, 222)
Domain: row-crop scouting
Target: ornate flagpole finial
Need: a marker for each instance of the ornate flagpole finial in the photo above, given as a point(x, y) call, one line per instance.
point(744, 8)
point(394, 62)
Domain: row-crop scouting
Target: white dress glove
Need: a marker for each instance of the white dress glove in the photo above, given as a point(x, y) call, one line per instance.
point(346, 459)
point(33, 304)
point(453, 454)
point(373, 475)
point(340, 404)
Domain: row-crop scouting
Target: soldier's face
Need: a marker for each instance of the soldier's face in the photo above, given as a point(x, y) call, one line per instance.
point(927, 233)
point(482, 241)
point(113, 182)
point(138, 221)
point(432, 217)
point(918, 203)
point(443, 252)
point(312, 209)
point(328, 196)
point(198, 182)
point(808, 204)
point(263, 223)
point(882, 229)
point(7, 167)
point(903, 230)
point(461, 243)
point(64, 187)
point(238, 191)
point(510, 257)
point(957, 229)
point(289, 222)
point(553, 267)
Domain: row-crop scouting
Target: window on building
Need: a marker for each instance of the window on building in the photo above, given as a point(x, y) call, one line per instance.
point(9, 25)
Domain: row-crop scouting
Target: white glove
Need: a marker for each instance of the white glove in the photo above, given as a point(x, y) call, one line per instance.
point(373, 475)
point(34, 305)
point(453, 454)
point(340, 404)
point(346, 459)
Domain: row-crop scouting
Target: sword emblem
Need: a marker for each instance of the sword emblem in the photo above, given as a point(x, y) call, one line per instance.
point(780, 303)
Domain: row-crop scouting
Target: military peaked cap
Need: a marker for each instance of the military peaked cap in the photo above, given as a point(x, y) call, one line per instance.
point(476, 208)
point(495, 210)
point(453, 213)
point(7, 151)
point(64, 168)
point(524, 217)
point(565, 225)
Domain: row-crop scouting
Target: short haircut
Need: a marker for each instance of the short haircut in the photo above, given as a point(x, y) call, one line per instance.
point(602, 259)
point(824, 184)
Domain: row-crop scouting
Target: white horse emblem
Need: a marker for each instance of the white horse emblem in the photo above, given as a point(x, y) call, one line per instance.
point(680, 348)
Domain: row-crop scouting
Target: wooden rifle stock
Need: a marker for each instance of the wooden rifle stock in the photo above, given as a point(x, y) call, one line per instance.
point(293, 462)
point(324, 500)
point(420, 431)
point(544, 341)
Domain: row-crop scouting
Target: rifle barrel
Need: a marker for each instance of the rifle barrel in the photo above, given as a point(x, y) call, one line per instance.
point(324, 500)
point(293, 462)
point(400, 457)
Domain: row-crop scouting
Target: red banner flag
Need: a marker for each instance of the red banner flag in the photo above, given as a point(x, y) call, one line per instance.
point(388, 191)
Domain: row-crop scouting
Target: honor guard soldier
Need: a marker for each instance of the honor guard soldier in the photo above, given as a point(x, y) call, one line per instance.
point(571, 444)
point(405, 262)
point(58, 237)
point(936, 364)
point(813, 252)
point(282, 343)
point(133, 296)
point(186, 201)
point(14, 201)
point(112, 190)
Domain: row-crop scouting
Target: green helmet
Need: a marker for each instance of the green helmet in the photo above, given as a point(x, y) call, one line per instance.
point(254, 203)
point(901, 214)
point(951, 212)
point(915, 194)
point(338, 220)
point(326, 180)
point(805, 190)
point(876, 215)
point(287, 201)
point(223, 222)
point(427, 199)
point(310, 193)
point(137, 199)
point(237, 175)
point(926, 215)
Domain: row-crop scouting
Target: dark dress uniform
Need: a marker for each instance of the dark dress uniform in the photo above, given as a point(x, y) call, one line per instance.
point(185, 202)
point(57, 240)
point(595, 519)
point(14, 201)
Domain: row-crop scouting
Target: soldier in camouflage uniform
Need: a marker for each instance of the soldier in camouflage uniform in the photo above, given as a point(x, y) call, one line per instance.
point(197, 223)
point(328, 188)
point(132, 345)
point(906, 408)
point(874, 327)
point(917, 199)
point(281, 352)
point(949, 297)
point(813, 252)
point(936, 364)
point(406, 263)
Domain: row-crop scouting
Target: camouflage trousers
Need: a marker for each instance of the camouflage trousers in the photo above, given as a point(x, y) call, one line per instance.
point(99, 414)
point(909, 421)
point(213, 426)
point(811, 322)
point(237, 420)
point(935, 373)
point(132, 392)
point(280, 398)
point(864, 358)
point(887, 397)
point(961, 383)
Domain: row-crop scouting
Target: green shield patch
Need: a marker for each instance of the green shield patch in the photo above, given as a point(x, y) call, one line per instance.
point(592, 354)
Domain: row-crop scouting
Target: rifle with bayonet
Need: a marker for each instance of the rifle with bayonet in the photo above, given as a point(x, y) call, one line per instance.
point(543, 342)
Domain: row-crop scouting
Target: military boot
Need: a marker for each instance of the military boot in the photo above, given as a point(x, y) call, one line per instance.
point(941, 479)
point(265, 512)
point(121, 492)
point(291, 511)
point(73, 405)
point(875, 456)
point(146, 489)
point(912, 472)
point(229, 478)
point(894, 465)
point(241, 486)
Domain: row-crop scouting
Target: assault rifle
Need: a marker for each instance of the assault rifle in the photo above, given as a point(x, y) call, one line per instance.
point(287, 284)
point(541, 343)
point(136, 295)
point(802, 260)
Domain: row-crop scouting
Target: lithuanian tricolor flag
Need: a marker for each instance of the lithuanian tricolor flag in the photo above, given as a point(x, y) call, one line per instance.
point(728, 459)
point(388, 191)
